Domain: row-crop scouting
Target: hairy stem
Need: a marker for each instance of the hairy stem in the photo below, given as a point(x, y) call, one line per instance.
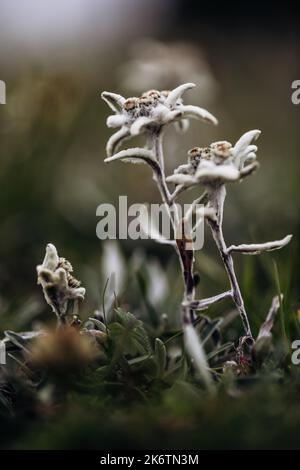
point(217, 202)
point(159, 175)
point(186, 256)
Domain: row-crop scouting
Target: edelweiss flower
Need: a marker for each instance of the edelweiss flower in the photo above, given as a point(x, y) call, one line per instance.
point(149, 113)
point(218, 164)
point(59, 286)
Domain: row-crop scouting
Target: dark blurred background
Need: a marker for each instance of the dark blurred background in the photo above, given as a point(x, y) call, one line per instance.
point(57, 56)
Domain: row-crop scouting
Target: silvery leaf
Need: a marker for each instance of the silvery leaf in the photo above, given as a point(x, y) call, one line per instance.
point(266, 327)
point(249, 169)
point(116, 139)
point(179, 178)
point(242, 144)
point(139, 125)
point(203, 304)
point(117, 120)
point(171, 116)
point(133, 155)
point(255, 249)
point(224, 173)
point(190, 111)
point(114, 101)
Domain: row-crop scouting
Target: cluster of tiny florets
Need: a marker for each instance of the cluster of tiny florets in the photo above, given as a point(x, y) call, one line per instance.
point(217, 153)
point(197, 154)
point(141, 106)
point(221, 151)
point(150, 113)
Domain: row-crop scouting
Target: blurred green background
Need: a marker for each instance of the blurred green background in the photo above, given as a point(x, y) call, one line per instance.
point(56, 58)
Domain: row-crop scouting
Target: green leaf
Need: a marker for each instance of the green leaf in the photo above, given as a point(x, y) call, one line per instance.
point(128, 335)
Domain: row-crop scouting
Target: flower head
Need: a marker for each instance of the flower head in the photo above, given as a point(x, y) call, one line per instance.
point(149, 113)
point(219, 163)
point(59, 286)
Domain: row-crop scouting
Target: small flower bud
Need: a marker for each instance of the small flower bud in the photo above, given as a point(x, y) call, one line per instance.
point(146, 101)
point(131, 104)
point(222, 150)
point(196, 154)
point(155, 94)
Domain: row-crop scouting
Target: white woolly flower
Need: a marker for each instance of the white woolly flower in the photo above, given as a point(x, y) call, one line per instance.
point(59, 286)
point(218, 164)
point(149, 113)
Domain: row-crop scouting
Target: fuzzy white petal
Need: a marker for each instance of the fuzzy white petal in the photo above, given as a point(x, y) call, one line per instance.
point(114, 101)
point(117, 120)
point(179, 178)
point(242, 147)
point(51, 259)
point(175, 94)
point(251, 148)
point(249, 157)
point(139, 125)
point(162, 115)
point(171, 116)
point(246, 140)
point(116, 139)
point(190, 111)
point(183, 169)
point(223, 173)
point(249, 169)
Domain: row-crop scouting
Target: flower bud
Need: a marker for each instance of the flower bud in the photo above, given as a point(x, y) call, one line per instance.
point(221, 150)
point(131, 104)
